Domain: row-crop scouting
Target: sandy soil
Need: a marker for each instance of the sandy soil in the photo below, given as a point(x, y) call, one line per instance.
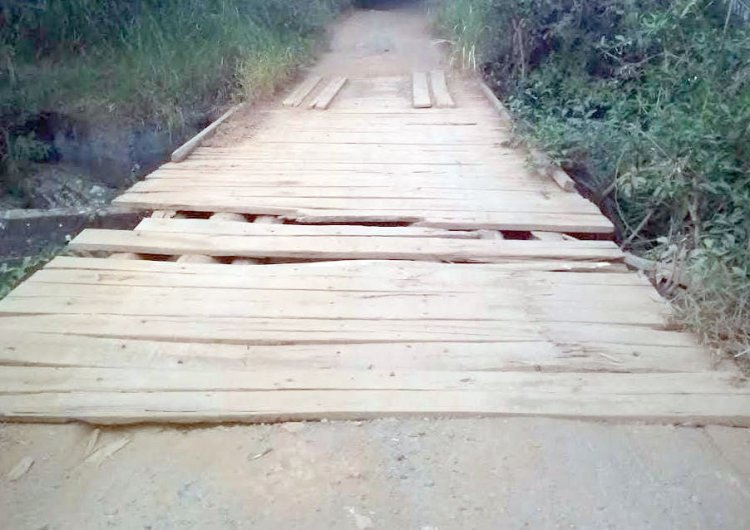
point(442, 474)
point(371, 43)
point(425, 475)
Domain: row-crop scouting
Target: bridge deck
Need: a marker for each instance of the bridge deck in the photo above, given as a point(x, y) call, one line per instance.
point(380, 261)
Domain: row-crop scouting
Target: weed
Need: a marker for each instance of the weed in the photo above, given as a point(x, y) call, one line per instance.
point(155, 61)
point(647, 104)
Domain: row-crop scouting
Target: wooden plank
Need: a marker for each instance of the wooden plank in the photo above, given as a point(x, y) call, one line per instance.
point(355, 247)
point(302, 91)
point(200, 226)
point(562, 179)
point(634, 306)
point(548, 168)
point(440, 90)
point(386, 269)
point(398, 197)
point(285, 330)
point(368, 182)
point(494, 101)
point(420, 91)
point(373, 277)
point(182, 152)
point(364, 199)
point(270, 406)
point(571, 288)
point(24, 379)
point(19, 348)
point(326, 96)
point(505, 202)
point(450, 220)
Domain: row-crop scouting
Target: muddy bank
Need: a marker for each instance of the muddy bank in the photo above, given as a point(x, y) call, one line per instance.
point(88, 163)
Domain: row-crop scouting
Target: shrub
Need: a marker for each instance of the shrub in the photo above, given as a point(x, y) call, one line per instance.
point(647, 104)
point(147, 60)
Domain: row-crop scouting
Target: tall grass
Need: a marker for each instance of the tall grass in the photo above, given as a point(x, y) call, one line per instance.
point(148, 60)
point(647, 103)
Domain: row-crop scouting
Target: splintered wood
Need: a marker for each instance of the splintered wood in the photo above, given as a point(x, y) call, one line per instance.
point(352, 264)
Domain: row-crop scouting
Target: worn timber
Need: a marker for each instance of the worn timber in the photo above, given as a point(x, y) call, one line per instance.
point(393, 255)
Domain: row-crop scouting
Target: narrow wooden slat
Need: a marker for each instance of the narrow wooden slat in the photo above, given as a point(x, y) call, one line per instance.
point(355, 247)
point(420, 91)
point(368, 268)
point(440, 89)
point(302, 91)
point(21, 379)
point(429, 199)
point(563, 180)
point(19, 348)
point(496, 103)
point(269, 406)
point(329, 92)
point(199, 226)
point(364, 274)
point(184, 151)
point(285, 330)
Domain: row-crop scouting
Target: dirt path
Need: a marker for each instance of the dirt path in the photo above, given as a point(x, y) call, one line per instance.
point(446, 474)
point(421, 474)
point(381, 43)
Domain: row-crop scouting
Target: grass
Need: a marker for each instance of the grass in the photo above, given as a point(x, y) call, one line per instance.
point(156, 61)
point(647, 104)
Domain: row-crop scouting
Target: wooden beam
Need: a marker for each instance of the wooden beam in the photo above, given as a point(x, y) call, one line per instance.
point(326, 96)
point(440, 90)
point(420, 91)
point(299, 94)
point(355, 247)
point(188, 147)
point(496, 103)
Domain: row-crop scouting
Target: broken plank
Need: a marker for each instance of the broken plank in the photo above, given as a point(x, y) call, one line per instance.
point(355, 247)
point(199, 226)
point(371, 269)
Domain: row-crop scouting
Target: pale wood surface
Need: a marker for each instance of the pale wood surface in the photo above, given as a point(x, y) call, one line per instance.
point(440, 89)
point(329, 92)
point(182, 152)
point(299, 94)
point(420, 91)
point(314, 247)
point(373, 158)
point(373, 282)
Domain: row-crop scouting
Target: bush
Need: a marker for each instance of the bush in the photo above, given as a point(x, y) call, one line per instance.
point(647, 104)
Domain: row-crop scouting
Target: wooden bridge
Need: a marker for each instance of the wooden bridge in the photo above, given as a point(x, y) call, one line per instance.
point(374, 247)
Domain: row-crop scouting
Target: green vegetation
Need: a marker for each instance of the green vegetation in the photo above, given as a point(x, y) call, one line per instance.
point(158, 61)
point(647, 104)
point(161, 62)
